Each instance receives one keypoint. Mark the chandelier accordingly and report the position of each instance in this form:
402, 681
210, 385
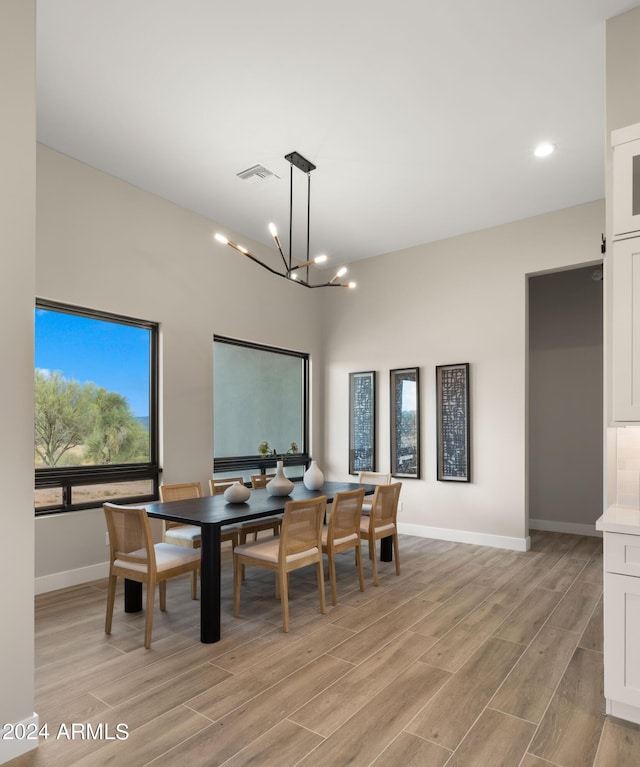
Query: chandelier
291, 269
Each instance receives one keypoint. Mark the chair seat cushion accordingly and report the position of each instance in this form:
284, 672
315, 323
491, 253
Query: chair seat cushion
168, 556
267, 550
364, 526
183, 533
366, 507
337, 541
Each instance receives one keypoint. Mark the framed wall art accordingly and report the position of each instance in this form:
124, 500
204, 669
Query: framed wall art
452, 418
362, 422
404, 388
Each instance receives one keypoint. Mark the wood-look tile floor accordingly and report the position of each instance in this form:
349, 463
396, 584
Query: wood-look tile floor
472, 656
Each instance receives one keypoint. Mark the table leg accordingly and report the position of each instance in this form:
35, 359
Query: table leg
386, 549
132, 596
210, 584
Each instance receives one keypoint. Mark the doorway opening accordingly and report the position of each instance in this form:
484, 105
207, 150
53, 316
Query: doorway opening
565, 386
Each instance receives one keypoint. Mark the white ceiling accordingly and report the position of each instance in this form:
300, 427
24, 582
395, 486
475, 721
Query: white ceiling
421, 115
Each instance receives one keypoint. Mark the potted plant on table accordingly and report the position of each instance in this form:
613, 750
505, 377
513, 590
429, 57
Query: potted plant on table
280, 484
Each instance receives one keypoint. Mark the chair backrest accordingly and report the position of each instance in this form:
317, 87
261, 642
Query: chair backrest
302, 526
129, 531
180, 491
384, 506
218, 486
345, 514
374, 478
259, 481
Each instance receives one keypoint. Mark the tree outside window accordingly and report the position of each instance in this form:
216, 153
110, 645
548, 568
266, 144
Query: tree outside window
95, 408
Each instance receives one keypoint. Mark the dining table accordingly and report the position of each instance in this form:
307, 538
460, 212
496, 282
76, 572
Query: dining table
211, 513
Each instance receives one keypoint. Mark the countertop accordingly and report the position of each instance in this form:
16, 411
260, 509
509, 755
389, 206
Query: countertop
620, 519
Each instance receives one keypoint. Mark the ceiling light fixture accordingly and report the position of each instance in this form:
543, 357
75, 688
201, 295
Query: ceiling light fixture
544, 149
291, 268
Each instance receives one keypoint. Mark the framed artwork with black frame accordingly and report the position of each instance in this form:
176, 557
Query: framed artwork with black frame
452, 418
362, 422
404, 388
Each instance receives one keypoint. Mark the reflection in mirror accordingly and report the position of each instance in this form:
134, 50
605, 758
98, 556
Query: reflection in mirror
405, 423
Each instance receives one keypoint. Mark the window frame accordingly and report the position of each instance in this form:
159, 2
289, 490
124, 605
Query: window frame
68, 477
257, 461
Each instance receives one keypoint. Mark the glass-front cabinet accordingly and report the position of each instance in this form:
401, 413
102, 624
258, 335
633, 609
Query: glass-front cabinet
625, 318
623, 271
626, 181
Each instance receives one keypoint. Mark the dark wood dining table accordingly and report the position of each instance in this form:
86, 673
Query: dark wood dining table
210, 513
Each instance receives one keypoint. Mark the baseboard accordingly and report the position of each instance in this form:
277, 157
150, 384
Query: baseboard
466, 536
55, 581
551, 526
623, 711
19, 738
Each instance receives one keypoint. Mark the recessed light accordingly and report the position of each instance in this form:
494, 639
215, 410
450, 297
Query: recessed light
544, 149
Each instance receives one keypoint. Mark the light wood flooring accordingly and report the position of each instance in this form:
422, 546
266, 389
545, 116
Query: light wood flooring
472, 656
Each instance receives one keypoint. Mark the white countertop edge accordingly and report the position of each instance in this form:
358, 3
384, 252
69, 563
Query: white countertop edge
620, 519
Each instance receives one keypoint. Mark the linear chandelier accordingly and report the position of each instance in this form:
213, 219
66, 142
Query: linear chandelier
292, 269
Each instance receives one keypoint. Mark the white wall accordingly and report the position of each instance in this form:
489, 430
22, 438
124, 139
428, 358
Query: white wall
107, 245
622, 68
17, 278
458, 300
565, 400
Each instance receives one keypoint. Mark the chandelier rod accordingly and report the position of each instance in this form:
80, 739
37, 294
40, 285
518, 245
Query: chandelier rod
290, 212
308, 223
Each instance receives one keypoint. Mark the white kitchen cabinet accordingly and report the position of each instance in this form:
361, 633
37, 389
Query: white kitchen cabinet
624, 271
621, 527
626, 181
622, 648
625, 357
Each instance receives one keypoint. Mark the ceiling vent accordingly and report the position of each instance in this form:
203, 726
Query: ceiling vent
256, 173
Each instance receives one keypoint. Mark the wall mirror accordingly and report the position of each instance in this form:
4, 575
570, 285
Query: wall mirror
405, 422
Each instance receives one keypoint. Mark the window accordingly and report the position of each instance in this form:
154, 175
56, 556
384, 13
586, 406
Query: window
260, 408
96, 423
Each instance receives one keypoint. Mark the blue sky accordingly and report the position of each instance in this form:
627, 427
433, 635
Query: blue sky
109, 354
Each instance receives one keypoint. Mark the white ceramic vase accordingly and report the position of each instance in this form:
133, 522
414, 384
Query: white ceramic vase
279, 485
313, 478
237, 493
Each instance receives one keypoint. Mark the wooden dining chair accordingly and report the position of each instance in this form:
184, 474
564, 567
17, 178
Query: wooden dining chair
259, 481
218, 486
179, 534
342, 533
189, 535
133, 555
298, 545
381, 523
372, 478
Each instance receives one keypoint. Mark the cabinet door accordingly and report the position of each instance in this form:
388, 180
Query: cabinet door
626, 330
626, 188
622, 638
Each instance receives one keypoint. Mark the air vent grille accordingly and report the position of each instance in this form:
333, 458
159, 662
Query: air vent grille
257, 173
